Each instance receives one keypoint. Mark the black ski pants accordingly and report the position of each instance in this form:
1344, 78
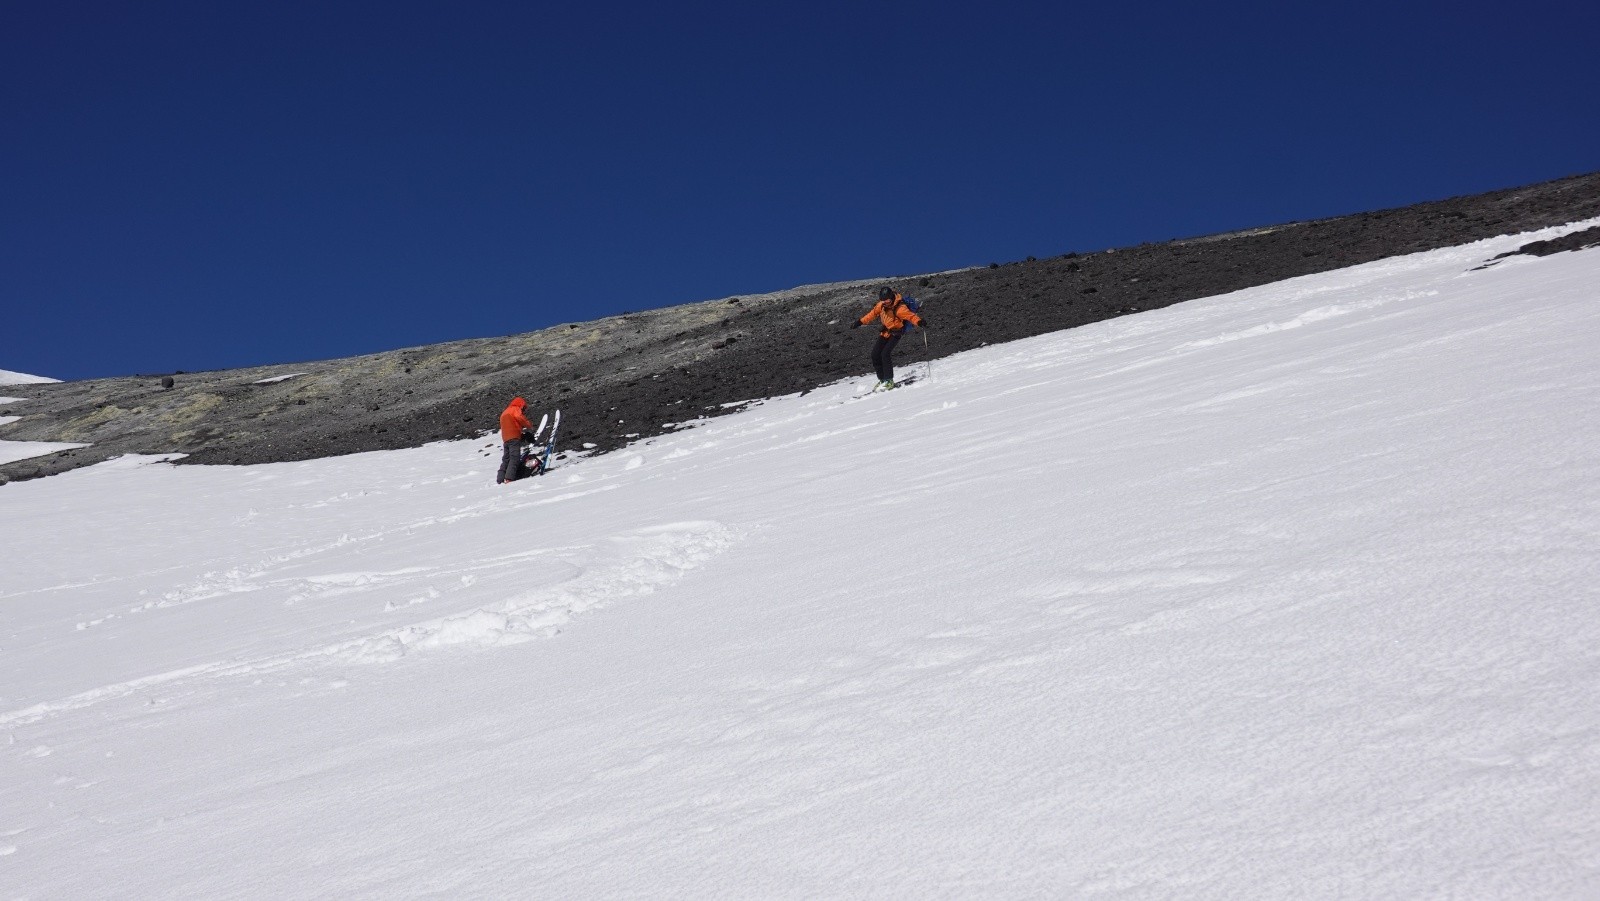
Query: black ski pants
883, 356
511, 461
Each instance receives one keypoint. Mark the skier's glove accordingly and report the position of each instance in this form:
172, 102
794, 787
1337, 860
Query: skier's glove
856, 324
923, 323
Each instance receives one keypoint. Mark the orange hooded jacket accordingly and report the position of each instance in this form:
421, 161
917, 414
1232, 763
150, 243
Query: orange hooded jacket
513, 420
893, 315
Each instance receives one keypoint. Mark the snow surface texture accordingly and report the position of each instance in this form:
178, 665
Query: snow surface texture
1284, 594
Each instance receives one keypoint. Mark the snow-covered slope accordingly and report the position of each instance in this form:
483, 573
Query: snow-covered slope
1288, 593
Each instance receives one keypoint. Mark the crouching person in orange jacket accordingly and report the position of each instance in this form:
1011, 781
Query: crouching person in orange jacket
515, 431
892, 313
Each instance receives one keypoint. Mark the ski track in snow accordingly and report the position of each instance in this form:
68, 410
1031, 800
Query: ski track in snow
647, 560
572, 580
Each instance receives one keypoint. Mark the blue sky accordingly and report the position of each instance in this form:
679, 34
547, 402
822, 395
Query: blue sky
202, 185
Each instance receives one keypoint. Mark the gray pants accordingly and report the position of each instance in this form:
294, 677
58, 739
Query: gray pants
511, 462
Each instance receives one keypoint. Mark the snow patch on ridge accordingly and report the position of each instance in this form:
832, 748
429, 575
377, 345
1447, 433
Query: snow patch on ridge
7, 377
12, 451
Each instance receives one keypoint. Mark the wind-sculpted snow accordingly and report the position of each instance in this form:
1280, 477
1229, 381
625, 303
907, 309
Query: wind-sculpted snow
1283, 594
567, 583
295, 598
629, 565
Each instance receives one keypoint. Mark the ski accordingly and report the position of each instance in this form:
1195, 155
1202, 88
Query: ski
881, 387
543, 421
544, 461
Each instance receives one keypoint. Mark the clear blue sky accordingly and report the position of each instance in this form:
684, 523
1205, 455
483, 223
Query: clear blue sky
197, 185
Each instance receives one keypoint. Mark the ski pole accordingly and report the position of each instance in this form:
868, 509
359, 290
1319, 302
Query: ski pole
925, 352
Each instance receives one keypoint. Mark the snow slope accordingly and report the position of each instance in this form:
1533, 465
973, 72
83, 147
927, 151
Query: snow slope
1288, 593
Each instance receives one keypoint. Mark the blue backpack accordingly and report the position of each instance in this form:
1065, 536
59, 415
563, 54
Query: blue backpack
915, 306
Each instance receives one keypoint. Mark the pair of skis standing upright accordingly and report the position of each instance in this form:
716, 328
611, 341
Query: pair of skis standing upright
534, 459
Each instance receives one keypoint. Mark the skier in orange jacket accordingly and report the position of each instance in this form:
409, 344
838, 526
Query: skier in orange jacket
892, 313
515, 431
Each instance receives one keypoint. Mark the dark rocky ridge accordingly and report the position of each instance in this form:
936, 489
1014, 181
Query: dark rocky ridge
626, 377
1579, 240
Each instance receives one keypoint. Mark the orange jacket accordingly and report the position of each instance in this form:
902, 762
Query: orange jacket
513, 420
892, 315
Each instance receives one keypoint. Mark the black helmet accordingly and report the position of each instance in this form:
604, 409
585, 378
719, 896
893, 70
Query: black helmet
885, 293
